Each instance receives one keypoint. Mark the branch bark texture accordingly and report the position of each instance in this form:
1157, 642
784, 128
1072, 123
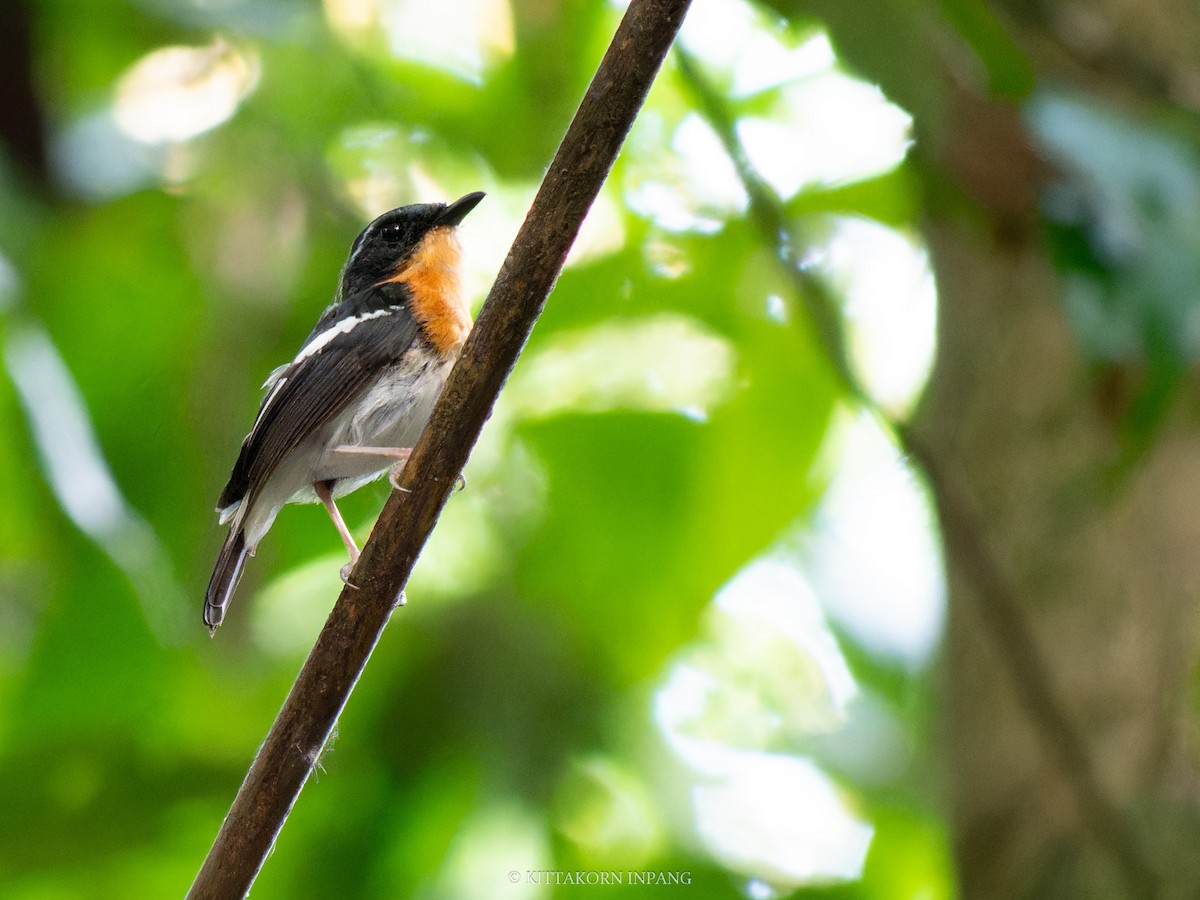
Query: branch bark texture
584, 158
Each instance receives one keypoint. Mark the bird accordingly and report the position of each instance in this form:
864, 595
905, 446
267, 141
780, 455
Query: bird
352, 402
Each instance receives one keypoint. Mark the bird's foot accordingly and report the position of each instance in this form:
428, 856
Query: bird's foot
394, 474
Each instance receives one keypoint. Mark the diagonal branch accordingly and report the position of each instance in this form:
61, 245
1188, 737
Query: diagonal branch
323, 686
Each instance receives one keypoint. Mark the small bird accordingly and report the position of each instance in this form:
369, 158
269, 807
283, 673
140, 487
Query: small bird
354, 400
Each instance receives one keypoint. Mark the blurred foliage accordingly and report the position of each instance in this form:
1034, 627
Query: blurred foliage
672, 422
1124, 224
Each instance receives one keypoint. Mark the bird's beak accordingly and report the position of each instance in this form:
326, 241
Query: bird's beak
457, 211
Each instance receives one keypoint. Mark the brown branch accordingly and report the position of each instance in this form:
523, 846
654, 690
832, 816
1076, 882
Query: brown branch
323, 686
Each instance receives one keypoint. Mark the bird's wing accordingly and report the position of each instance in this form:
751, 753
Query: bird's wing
334, 366
373, 298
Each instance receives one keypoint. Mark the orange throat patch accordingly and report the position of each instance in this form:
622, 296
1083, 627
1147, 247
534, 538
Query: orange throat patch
438, 304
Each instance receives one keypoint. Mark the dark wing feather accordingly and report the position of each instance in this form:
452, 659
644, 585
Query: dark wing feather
315, 389
381, 296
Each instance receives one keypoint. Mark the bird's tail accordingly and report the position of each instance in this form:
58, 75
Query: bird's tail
225, 577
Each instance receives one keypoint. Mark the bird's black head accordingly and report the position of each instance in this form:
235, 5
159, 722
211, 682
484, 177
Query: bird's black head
388, 244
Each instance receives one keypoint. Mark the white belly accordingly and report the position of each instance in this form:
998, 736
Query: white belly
390, 414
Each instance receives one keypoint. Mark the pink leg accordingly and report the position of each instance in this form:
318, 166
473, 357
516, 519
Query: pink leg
401, 453
324, 491
398, 453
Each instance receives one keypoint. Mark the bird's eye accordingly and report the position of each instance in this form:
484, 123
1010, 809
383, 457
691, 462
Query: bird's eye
392, 233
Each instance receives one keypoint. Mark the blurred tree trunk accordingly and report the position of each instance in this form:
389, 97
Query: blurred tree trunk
1073, 626
21, 125
1070, 719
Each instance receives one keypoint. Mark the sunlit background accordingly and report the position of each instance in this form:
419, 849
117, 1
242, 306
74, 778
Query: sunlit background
685, 613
